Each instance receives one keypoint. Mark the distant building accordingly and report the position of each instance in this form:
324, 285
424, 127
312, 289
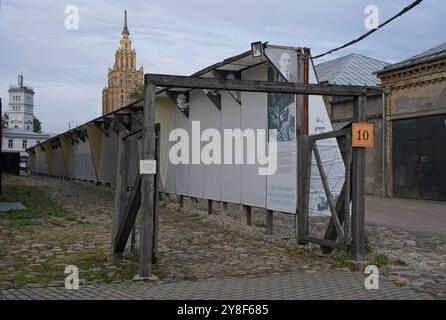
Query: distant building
416, 125
20, 134
123, 77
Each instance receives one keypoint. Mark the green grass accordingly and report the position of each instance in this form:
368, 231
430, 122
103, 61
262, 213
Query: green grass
38, 204
381, 259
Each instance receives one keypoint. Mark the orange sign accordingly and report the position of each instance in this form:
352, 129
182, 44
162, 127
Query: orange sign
362, 135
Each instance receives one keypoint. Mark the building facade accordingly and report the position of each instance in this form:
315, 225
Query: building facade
415, 109
20, 134
123, 77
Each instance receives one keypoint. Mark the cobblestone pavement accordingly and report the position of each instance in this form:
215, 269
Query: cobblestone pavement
420, 216
288, 286
195, 246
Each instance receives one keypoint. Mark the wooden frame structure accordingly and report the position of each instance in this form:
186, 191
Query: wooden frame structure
144, 194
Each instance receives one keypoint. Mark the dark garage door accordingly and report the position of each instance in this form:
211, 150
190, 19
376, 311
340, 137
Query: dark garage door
419, 158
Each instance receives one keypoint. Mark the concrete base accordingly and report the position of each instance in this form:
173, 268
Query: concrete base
139, 278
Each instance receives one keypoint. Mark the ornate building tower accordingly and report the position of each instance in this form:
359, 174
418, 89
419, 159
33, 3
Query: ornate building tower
123, 77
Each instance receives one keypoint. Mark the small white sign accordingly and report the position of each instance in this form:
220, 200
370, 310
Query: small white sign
147, 167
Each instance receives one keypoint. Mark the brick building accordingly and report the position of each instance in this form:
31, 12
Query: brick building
123, 77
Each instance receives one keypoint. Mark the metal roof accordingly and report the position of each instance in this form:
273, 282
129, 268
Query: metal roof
433, 54
22, 132
353, 69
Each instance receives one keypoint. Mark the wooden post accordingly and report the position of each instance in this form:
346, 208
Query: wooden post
133, 240
269, 222
147, 183
157, 194
303, 186
247, 215
224, 208
358, 187
181, 202
209, 206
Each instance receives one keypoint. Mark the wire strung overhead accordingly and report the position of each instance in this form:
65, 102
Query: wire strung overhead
406, 9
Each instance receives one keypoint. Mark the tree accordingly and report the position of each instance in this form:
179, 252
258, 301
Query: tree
37, 125
5, 120
137, 93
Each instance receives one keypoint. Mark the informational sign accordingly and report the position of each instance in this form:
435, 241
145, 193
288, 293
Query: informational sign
362, 135
147, 167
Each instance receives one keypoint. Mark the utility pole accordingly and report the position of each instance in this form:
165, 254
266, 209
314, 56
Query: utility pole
69, 124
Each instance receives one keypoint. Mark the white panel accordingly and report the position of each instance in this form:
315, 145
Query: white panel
197, 106
331, 156
254, 116
230, 174
181, 170
210, 119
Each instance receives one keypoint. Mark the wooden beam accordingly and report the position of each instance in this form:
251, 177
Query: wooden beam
325, 184
147, 183
128, 218
224, 208
258, 86
358, 188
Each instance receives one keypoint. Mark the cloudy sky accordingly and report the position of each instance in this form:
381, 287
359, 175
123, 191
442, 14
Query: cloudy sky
68, 68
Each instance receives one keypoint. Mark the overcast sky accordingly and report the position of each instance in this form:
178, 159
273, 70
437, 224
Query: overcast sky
68, 68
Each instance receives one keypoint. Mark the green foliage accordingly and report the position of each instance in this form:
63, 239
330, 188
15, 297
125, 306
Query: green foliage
37, 125
137, 93
381, 259
5, 120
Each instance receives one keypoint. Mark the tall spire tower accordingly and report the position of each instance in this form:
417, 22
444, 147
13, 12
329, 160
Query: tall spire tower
123, 77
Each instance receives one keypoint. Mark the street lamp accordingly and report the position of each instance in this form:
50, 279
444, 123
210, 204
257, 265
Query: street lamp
69, 124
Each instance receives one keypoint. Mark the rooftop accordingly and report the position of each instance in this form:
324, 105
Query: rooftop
353, 69
436, 53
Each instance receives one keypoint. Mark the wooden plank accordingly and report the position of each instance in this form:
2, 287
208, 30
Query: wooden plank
258, 86
133, 240
269, 222
358, 188
328, 243
129, 217
327, 135
326, 186
147, 183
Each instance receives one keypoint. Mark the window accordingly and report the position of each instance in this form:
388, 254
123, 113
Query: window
10, 144
24, 143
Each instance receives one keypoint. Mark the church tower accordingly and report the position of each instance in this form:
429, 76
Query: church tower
21, 106
123, 77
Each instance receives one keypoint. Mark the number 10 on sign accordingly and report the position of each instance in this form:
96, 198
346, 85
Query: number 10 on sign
362, 135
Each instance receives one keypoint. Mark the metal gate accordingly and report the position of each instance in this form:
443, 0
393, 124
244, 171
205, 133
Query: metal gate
419, 158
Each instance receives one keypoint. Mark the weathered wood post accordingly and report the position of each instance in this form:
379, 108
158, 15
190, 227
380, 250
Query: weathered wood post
224, 208
246, 214
181, 202
209, 206
121, 190
157, 194
269, 222
147, 183
358, 187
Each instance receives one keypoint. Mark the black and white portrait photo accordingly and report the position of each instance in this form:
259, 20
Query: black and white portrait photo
230, 75
181, 99
285, 61
214, 96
